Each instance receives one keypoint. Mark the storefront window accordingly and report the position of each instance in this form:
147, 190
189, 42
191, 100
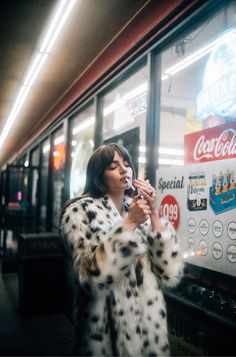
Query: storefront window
44, 184
197, 153
81, 148
58, 162
34, 157
21, 161
124, 114
198, 84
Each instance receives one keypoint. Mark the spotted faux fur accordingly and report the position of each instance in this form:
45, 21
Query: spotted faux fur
122, 273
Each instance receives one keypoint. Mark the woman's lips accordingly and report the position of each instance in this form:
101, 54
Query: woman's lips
130, 184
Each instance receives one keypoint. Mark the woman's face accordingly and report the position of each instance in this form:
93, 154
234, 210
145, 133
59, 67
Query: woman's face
115, 175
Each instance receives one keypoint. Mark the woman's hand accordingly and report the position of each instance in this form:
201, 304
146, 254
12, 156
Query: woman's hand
148, 192
139, 212
150, 195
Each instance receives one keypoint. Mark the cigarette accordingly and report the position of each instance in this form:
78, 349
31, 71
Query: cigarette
130, 184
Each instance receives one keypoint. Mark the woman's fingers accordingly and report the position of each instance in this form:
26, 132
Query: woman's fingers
140, 207
145, 186
148, 193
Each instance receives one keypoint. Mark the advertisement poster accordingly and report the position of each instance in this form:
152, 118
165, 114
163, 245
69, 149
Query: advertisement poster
199, 199
217, 143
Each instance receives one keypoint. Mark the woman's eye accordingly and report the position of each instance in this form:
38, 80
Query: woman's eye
126, 164
112, 166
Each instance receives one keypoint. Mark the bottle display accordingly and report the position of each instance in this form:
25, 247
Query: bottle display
223, 192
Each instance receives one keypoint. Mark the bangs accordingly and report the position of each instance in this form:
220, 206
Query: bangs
109, 153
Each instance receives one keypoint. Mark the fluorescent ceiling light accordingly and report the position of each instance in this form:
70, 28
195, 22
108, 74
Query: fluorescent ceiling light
169, 151
171, 162
112, 107
142, 148
62, 12
42, 59
14, 112
136, 91
46, 148
58, 19
59, 139
73, 143
129, 95
32, 68
142, 160
84, 125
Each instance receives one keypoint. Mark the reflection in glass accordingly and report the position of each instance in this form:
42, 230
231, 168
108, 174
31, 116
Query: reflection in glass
81, 148
58, 162
198, 84
44, 184
125, 117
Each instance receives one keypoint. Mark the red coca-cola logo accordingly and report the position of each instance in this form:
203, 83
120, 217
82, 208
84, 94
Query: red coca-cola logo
216, 143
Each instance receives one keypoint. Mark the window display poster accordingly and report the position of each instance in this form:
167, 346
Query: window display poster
200, 202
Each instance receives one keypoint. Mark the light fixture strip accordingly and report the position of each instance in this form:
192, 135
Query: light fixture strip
63, 9
52, 27
60, 25
34, 65
15, 110
19, 102
170, 162
38, 68
84, 125
170, 151
60, 139
198, 54
136, 91
46, 148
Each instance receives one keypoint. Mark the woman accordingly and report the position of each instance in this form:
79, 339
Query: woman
122, 256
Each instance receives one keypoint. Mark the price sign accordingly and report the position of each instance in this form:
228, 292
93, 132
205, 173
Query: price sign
169, 209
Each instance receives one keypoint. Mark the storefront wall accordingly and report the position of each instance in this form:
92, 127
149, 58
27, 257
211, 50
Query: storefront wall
172, 104
180, 94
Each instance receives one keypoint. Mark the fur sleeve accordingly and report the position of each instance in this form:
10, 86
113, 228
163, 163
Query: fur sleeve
98, 264
165, 255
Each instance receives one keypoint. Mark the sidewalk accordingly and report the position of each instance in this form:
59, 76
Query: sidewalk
43, 335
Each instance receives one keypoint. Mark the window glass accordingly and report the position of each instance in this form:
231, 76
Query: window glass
197, 153
81, 148
197, 83
34, 157
124, 115
21, 161
44, 183
58, 162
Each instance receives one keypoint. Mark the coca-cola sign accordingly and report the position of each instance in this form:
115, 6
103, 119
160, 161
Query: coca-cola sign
217, 143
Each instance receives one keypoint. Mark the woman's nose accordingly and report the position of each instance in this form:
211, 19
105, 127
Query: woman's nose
123, 168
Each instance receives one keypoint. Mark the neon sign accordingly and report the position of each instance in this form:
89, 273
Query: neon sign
58, 156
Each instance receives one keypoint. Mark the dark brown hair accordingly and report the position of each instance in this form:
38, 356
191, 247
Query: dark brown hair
98, 162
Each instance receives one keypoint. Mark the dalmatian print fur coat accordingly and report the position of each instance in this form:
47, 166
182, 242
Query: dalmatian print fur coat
121, 274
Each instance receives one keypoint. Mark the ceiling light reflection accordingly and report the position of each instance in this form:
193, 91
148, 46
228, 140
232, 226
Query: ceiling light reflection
59, 139
171, 162
46, 148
